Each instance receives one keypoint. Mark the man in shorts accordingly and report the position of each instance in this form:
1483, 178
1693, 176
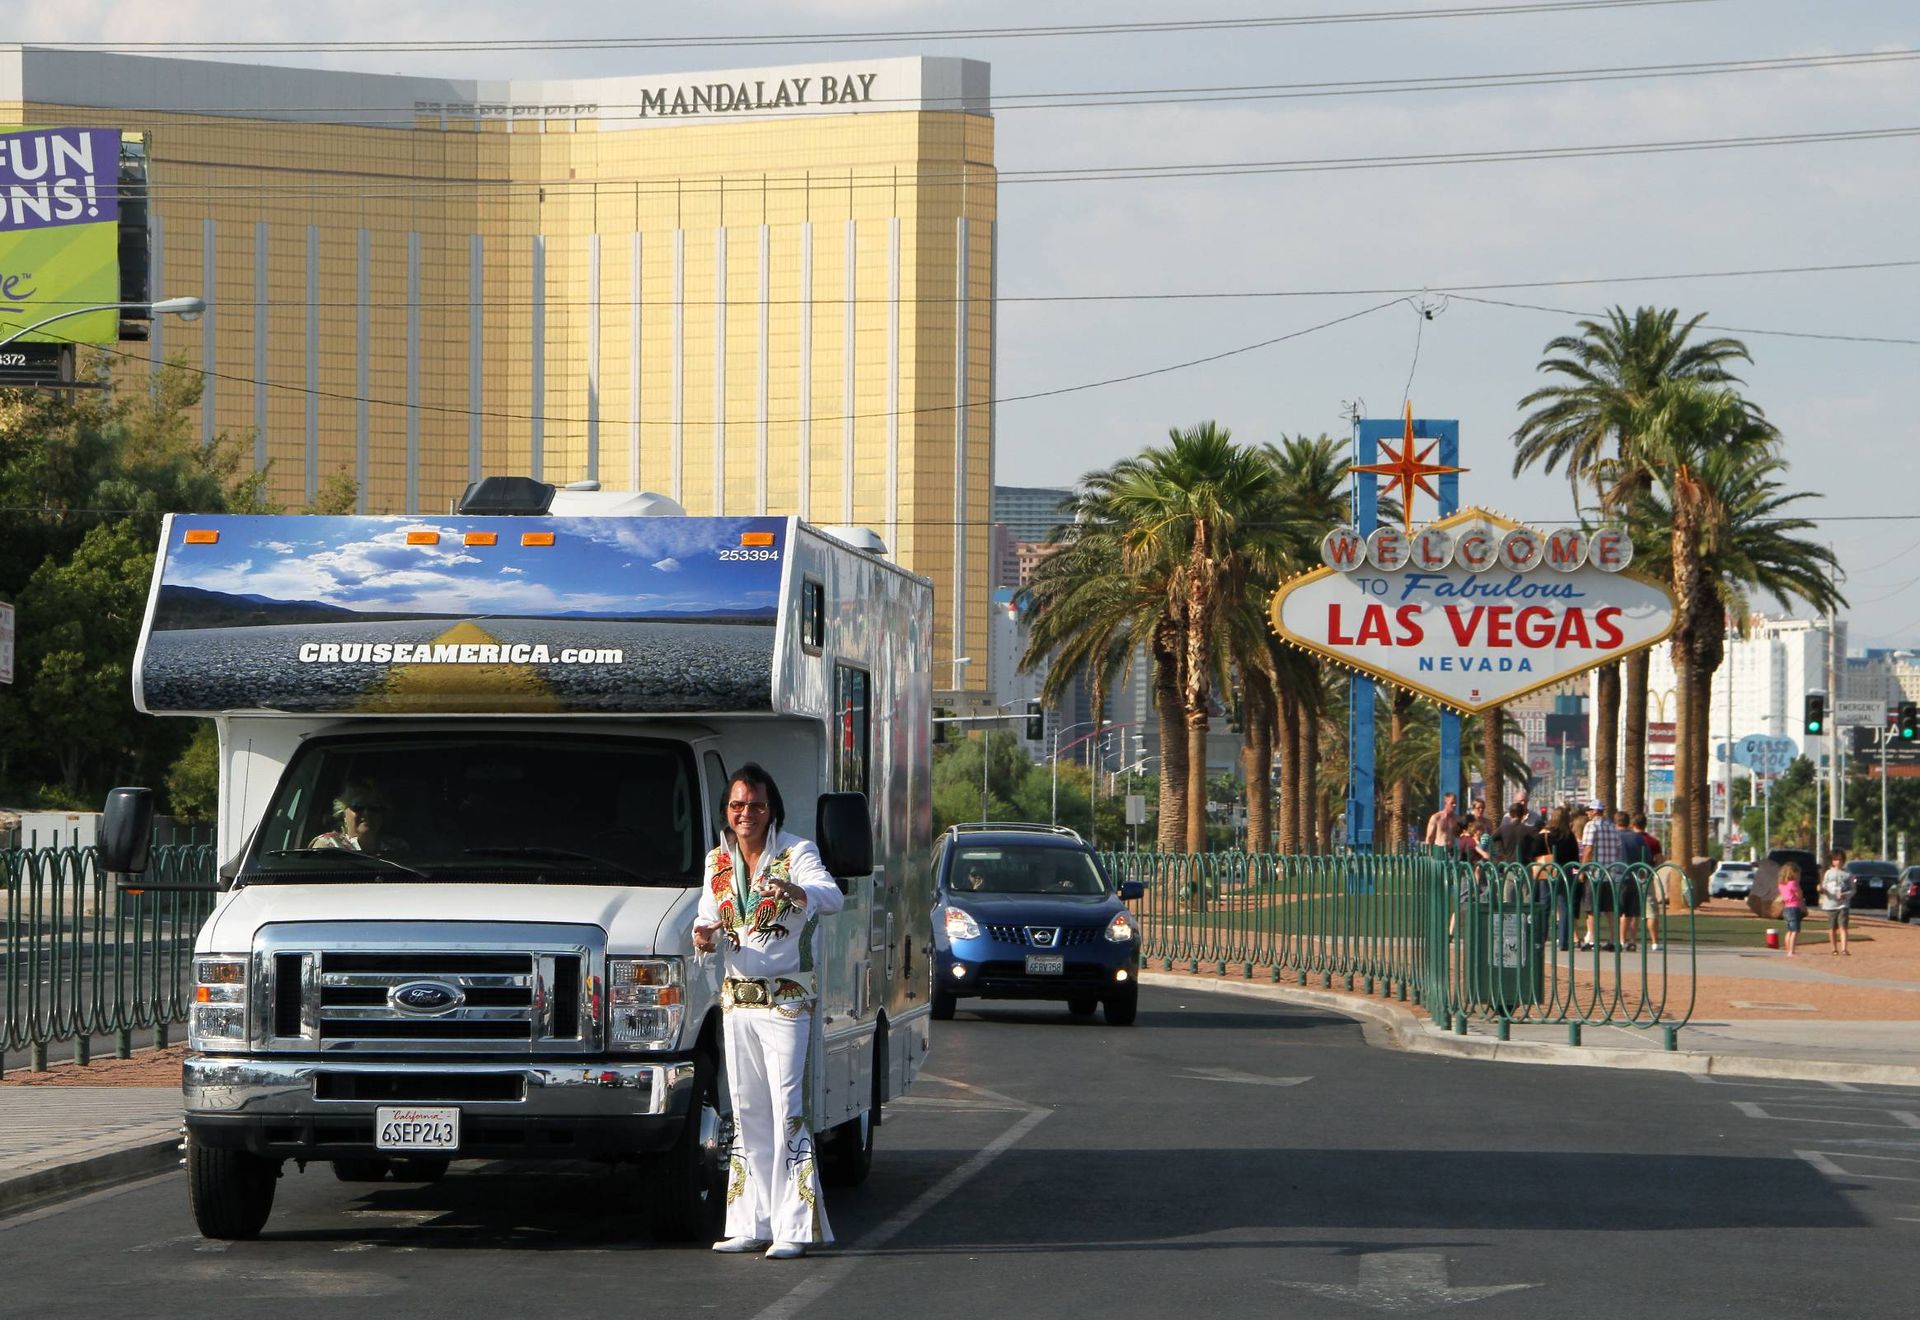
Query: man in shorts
1836, 901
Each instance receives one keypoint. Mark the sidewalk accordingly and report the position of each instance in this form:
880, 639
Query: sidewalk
1757, 1013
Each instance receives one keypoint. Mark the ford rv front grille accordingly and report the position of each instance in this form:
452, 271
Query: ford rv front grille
333, 987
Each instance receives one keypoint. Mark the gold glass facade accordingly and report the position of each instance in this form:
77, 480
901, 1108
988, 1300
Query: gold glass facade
750, 312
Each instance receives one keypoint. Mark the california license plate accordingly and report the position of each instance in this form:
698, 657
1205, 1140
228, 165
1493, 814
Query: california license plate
417, 1127
1046, 964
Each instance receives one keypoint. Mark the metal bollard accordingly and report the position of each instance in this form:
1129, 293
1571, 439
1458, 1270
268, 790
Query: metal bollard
82, 1050
123, 1044
1573, 1033
1672, 1034
1503, 1029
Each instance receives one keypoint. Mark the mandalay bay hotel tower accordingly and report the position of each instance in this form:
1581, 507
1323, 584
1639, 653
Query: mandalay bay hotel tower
754, 290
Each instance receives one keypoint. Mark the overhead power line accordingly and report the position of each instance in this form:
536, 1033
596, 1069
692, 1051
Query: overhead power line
1146, 96
1730, 329
552, 301
711, 41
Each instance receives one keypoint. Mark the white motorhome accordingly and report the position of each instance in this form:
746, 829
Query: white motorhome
539, 707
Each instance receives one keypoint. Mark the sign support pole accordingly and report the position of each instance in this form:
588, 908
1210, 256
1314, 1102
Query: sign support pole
1361, 783
1448, 434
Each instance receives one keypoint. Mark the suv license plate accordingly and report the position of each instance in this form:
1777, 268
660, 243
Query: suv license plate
1046, 964
416, 1127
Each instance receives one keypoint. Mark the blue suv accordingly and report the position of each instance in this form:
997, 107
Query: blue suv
1026, 912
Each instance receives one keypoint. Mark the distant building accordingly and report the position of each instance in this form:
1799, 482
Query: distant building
1030, 513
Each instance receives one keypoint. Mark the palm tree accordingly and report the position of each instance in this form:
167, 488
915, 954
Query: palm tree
1585, 421
1716, 487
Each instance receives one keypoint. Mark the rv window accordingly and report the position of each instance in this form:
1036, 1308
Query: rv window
503, 808
716, 793
853, 687
813, 615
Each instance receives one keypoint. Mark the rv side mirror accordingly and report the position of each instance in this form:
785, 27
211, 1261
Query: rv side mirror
844, 832
126, 831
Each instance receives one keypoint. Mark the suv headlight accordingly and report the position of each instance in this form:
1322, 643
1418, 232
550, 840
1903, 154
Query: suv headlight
961, 925
217, 1018
1122, 930
645, 1000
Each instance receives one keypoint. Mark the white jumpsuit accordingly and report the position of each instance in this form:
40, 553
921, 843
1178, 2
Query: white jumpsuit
773, 1184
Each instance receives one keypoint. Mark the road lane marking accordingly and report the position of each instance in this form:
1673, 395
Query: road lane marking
1819, 1160
832, 1270
1901, 1117
1243, 1078
1405, 1281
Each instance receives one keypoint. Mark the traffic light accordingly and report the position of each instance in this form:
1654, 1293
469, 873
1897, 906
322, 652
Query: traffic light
1908, 727
1036, 721
1816, 714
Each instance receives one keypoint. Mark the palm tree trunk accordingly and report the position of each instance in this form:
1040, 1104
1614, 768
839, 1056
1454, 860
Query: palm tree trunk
1633, 727
1197, 782
1257, 760
1173, 740
1685, 807
1606, 734
1491, 725
1287, 739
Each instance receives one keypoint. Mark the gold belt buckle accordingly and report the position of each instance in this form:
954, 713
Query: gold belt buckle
747, 992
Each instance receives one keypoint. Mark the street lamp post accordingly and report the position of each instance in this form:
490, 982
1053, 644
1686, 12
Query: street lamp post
1133, 833
185, 308
1054, 759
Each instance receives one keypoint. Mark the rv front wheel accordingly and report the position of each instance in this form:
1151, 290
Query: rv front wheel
231, 1190
686, 1184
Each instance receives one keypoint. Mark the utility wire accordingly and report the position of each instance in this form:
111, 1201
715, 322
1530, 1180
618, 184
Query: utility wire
942, 299
1705, 325
886, 35
1134, 96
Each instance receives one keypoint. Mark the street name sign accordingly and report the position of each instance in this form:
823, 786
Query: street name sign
1473, 610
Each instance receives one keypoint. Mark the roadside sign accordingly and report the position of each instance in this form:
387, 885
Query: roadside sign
6, 642
1136, 809
1861, 714
1764, 754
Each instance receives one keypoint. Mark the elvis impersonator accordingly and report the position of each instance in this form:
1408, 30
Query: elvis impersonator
764, 894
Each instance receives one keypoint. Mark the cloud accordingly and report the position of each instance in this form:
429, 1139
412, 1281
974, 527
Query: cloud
667, 565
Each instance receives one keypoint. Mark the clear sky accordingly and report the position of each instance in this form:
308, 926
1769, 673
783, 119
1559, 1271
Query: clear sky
1313, 235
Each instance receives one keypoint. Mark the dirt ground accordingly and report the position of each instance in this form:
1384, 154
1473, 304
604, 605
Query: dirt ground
145, 1068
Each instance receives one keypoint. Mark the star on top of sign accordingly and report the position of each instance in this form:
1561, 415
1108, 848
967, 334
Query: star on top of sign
1407, 471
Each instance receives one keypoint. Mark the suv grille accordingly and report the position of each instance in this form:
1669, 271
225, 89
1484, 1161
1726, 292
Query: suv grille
1069, 935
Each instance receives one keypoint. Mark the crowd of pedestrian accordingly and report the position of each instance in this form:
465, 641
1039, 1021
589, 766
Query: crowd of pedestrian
1609, 861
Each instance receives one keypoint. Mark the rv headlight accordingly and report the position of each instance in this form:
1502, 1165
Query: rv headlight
645, 1000
217, 1017
1121, 929
961, 925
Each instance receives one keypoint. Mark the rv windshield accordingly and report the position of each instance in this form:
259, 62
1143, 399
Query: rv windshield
483, 807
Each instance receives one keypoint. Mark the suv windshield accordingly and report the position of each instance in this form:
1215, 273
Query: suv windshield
572, 810
1014, 869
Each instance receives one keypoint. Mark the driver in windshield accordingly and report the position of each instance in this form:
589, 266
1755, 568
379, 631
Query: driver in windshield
361, 815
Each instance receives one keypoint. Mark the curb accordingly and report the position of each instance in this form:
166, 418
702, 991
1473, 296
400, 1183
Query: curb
1401, 1029
150, 1149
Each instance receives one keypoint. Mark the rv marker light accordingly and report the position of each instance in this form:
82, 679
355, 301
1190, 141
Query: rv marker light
423, 538
756, 538
203, 536
536, 538
482, 538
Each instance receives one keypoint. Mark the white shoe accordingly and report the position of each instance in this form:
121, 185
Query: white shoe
739, 1244
786, 1250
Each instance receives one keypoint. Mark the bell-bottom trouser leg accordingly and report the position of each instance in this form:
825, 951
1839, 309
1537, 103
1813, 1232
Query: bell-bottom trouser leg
773, 1183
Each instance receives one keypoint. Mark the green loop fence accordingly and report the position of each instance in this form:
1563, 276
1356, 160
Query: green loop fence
1596, 945
82, 958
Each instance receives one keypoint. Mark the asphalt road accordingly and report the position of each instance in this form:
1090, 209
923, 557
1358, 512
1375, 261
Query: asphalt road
1223, 1157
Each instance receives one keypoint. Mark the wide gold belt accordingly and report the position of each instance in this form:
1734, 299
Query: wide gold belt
759, 992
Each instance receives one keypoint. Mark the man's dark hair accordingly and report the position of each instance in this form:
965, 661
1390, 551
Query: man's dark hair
1639, 820
1518, 810
754, 774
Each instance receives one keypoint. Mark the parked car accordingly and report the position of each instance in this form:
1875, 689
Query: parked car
1872, 881
1026, 912
1903, 900
1731, 880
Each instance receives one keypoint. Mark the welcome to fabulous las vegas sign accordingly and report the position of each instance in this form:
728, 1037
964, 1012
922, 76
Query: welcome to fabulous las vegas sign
1473, 610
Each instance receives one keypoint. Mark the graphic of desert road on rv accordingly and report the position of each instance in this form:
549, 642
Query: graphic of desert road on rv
413, 615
